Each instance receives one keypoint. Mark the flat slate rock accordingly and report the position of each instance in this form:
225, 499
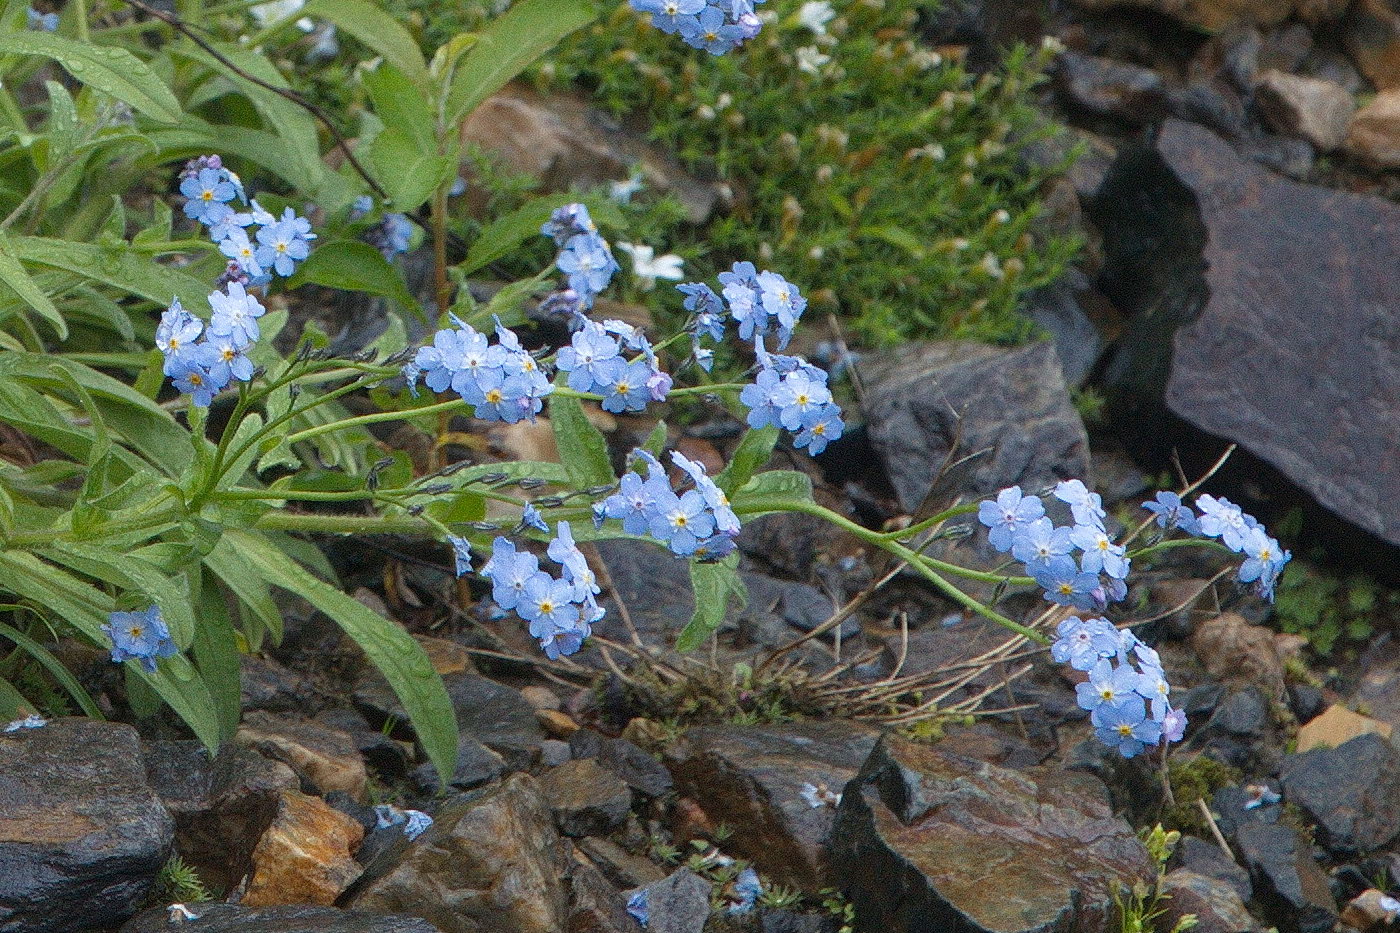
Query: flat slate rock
82, 833
1262, 311
232, 918
1352, 792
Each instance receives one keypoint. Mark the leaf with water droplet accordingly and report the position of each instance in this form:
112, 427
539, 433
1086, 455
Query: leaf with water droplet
112, 71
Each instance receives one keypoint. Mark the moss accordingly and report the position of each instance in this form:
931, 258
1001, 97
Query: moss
1334, 612
1194, 779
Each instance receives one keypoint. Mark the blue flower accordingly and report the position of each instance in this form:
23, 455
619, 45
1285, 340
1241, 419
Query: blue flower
1125, 727
669, 15
715, 499
1107, 684
176, 335
638, 908
748, 889
711, 31
1009, 515
42, 22
530, 517
197, 381
237, 247
592, 360
235, 315
588, 264
634, 501
417, 823
630, 392
701, 300
1173, 725
681, 521
1264, 562
1068, 586
819, 428
1171, 513
208, 193
461, 553
782, 301
32, 721
391, 235
1086, 506
565, 552
760, 397
1100, 553
547, 603
1040, 544
509, 571
283, 244
799, 396
139, 636
441, 363
1152, 686
1082, 643
224, 359
1221, 518
566, 222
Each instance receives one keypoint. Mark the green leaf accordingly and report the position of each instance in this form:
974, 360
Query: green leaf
230, 565
773, 486
508, 45
407, 171
714, 586
401, 660
355, 266
22, 284
401, 104
121, 268
754, 449
377, 30
13, 705
504, 235
582, 447
131, 573
56, 670
216, 654
113, 71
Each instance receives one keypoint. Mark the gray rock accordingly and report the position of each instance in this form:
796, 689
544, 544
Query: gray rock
620, 867
1216, 905
929, 842
677, 904
491, 863
587, 799
923, 398
82, 833
554, 752
1200, 857
1104, 87
1289, 883
751, 779
476, 765
1225, 270
595, 906
1315, 110
1059, 308
231, 918
637, 768
1352, 792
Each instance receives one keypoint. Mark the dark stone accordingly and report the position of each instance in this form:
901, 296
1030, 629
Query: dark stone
1225, 269
637, 768
1305, 701
1212, 104
1104, 87
1206, 858
751, 779
1216, 905
82, 833
1293, 890
926, 841
587, 799
381, 752
594, 905
1243, 713
1059, 309
1352, 792
476, 765
231, 918
677, 904
923, 398
1231, 808
620, 867
221, 807
268, 685
785, 921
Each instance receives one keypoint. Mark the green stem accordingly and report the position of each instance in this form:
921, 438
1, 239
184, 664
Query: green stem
341, 524
928, 523
1175, 543
375, 418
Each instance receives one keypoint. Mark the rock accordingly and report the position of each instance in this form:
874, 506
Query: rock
491, 863
567, 144
787, 921
82, 833
1234, 651
382, 753
306, 855
541, 697
1352, 792
620, 867
1292, 888
554, 753
1105, 87
587, 799
1059, 309
923, 398
476, 765
751, 779
325, 757
558, 724
1366, 912
1371, 35
678, 904
1378, 688
1337, 725
1210, 103
1233, 807
926, 841
1305, 701
1199, 857
234, 918
1374, 134
221, 807
637, 768
1216, 905
594, 905
1217, 15
1224, 269
1318, 111
266, 684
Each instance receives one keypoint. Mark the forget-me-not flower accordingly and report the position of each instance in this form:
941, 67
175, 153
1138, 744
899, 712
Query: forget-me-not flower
140, 636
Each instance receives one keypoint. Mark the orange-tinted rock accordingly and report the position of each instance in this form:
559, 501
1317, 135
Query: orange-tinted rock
325, 756
306, 855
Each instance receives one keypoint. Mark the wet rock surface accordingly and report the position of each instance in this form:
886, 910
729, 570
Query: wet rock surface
82, 833
1289, 883
1216, 905
1049, 851
679, 903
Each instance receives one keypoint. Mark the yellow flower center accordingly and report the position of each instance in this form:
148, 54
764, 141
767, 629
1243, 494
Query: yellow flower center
1066, 589
196, 379
136, 631
1125, 730
493, 396
1106, 693
546, 607
207, 195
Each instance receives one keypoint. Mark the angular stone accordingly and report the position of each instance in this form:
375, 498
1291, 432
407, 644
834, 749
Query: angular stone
1336, 725
1225, 270
620, 867
476, 765
1105, 87
929, 842
587, 799
1366, 911
325, 757
1218, 15
677, 904
637, 768
594, 905
1198, 857
751, 779
1371, 35
269, 685
1374, 133
1216, 905
1351, 792
1291, 886
491, 863
1315, 110
82, 833
234, 918
306, 855
221, 807
922, 398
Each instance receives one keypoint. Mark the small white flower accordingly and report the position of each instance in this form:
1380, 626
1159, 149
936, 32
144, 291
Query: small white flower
810, 59
648, 267
816, 796
1390, 905
276, 10
815, 14
179, 913
992, 266
28, 722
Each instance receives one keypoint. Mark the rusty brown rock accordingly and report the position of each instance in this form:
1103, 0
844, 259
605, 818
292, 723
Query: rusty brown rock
1371, 35
306, 855
1216, 906
326, 757
1233, 650
1374, 134
587, 799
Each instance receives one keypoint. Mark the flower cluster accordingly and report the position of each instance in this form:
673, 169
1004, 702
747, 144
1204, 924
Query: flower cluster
1017, 523
275, 246
696, 523
1127, 691
414, 822
139, 636
717, 27
584, 256
595, 363
202, 361
791, 393
560, 610
1237, 530
41, 22
501, 381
